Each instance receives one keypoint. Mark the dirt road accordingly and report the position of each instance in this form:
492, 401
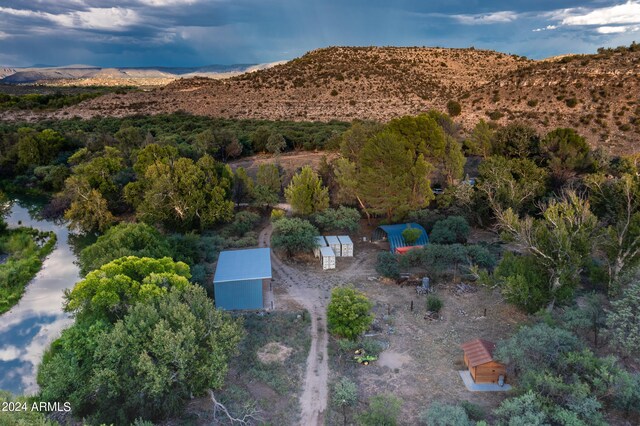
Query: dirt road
313, 401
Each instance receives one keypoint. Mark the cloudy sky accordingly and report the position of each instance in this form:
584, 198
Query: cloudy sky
199, 32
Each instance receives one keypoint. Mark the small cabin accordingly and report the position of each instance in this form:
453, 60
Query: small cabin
328, 258
346, 246
320, 242
478, 357
334, 243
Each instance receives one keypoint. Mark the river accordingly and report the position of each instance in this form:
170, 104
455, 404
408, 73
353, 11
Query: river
28, 329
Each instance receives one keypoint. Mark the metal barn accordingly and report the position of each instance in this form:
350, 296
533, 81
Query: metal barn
320, 242
393, 234
346, 246
334, 243
241, 279
328, 258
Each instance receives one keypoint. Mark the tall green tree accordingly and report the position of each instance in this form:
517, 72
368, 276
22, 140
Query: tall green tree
516, 141
266, 191
294, 235
565, 152
242, 186
306, 194
623, 320
479, 141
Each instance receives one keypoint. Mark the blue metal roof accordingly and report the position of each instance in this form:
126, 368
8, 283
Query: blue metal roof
239, 265
394, 234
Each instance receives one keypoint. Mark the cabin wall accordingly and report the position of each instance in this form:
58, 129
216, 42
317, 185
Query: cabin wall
489, 372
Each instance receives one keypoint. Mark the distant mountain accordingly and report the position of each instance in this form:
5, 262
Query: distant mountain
92, 75
596, 94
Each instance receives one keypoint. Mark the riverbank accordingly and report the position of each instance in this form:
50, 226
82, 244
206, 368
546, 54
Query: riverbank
25, 250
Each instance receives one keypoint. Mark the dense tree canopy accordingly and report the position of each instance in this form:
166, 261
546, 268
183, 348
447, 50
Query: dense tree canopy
306, 194
349, 313
294, 235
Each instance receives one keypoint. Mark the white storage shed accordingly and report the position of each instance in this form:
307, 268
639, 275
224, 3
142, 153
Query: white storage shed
328, 258
334, 243
346, 246
320, 242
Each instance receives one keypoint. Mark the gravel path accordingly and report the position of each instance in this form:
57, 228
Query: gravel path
313, 401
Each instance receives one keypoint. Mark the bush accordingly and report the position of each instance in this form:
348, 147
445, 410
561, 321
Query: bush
349, 313
411, 235
387, 265
277, 214
427, 218
434, 304
444, 415
294, 235
453, 229
624, 321
453, 108
243, 223
383, 411
523, 282
340, 219
571, 102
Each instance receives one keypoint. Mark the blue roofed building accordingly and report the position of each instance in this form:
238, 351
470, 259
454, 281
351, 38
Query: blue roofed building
393, 234
242, 278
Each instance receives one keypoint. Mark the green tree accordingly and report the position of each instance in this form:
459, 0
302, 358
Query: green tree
453, 161
109, 292
163, 352
353, 139
617, 203
439, 414
523, 281
37, 148
187, 194
349, 313
306, 194
411, 235
383, 411
390, 180
345, 395
294, 236
561, 240
259, 138
453, 229
623, 320
511, 183
565, 152
340, 219
89, 211
479, 141
516, 141
276, 144
266, 191
387, 265
125, 239
242, 186
524, 410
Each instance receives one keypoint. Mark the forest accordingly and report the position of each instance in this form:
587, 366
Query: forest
161, 200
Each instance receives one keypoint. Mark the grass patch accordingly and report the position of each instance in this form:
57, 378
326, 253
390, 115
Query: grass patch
26, 248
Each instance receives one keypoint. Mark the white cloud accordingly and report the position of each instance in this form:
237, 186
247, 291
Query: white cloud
95, 18
163, 3
547, 28
3, 35
617, 30
627, 13
486, 18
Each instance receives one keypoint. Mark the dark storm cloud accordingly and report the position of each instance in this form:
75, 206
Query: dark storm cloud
196, 32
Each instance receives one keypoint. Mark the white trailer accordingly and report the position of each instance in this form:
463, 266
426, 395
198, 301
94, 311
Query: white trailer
328, 258
334, 243
346, 246
320, 242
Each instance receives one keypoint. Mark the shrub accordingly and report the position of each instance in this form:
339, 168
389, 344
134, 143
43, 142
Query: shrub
383, 411
387, 265
434, 304
453, 108
427, 218
571, 102
349, 313
411, 235
345, 394
243, 223
624, 321
495, 115
294, 235
444, 415
453, 229
523, 281
340, 219
532, 102
277, 214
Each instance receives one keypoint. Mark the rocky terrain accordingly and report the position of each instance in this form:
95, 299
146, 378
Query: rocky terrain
597, 94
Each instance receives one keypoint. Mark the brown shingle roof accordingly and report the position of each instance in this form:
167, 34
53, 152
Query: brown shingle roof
478, 351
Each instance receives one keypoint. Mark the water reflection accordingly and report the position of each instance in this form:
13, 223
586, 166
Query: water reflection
28, 328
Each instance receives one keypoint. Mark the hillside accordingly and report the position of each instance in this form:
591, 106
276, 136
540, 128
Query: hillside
597, 94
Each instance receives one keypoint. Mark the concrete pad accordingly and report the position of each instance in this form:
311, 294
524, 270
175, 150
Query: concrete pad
481, 387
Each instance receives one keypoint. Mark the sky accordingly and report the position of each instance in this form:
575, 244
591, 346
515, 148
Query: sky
122, 33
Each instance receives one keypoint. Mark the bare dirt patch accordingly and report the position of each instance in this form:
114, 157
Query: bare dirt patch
274, 352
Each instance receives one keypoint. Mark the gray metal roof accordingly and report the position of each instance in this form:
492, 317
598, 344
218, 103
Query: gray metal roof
327, 252
240, 265
332, 239
344, 239
320, 241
